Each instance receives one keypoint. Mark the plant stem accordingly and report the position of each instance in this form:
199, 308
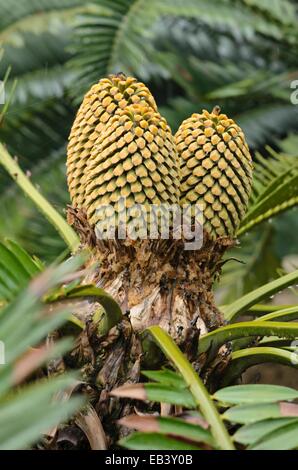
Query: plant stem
196, 387
242, 360
232, 311
212, 341
12, 167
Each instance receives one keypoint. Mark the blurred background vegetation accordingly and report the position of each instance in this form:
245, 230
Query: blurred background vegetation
193, 54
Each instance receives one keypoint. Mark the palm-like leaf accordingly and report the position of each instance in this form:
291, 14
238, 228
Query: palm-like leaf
119, 34
16, 269
262, 414
28, 412
13, 169
17, 212
251, 264
241, 76
275, 189
257, 259
34, 38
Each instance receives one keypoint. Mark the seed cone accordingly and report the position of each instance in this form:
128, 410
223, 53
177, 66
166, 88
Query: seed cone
134, 158
216, 170
101, 103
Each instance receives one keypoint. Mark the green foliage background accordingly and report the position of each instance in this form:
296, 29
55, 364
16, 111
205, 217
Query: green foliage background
193, 54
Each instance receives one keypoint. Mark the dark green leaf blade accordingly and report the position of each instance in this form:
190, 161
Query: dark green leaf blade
155, 441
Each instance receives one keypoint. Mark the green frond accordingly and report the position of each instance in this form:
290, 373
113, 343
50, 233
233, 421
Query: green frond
28, 411
14, 11
264, 414
16, 269
280, 10
289, 145
275, 189
264, 121
249, 265
106, 35
18, 212
119, 35
15, 172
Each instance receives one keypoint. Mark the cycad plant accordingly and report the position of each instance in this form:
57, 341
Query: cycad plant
157, 282
135, 288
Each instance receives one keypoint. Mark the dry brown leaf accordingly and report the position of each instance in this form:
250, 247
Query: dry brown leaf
91, 426
62, 396
288, 409
165, 409
141, 423
28, 363
135, 391
192, 419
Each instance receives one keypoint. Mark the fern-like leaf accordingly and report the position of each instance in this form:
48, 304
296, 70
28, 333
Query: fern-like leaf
118, 35
275, 189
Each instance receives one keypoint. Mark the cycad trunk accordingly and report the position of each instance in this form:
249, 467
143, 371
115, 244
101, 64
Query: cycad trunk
156, 282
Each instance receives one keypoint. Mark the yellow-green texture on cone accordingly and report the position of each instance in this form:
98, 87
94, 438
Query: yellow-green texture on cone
101, 103
133, 158
216, 170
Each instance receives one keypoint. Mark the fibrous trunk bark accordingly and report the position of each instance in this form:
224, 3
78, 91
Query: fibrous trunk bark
156, 282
